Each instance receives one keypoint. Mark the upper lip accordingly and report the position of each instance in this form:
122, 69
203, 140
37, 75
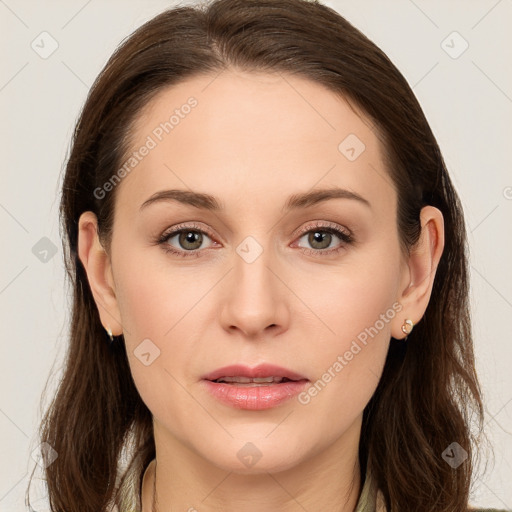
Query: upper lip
262, 370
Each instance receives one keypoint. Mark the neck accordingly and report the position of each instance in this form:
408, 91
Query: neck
179, 479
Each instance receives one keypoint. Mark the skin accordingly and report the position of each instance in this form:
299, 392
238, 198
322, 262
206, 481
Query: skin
253, 140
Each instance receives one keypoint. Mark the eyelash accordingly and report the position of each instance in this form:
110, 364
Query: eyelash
346, 238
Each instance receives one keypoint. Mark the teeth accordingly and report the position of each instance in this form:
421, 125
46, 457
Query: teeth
246, 380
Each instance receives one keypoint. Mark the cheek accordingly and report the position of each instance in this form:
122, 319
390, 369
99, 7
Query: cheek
159, 312
153, 298
355, 306
350, 298
158, 345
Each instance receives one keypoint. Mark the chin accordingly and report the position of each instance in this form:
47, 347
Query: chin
257, 457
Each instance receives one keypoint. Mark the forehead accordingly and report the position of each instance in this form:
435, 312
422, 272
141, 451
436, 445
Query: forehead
239, 135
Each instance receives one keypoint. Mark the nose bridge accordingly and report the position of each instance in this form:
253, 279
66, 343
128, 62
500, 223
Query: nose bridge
251, 267
254, 299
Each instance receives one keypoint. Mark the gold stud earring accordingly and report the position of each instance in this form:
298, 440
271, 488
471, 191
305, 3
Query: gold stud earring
109, 332
407, 327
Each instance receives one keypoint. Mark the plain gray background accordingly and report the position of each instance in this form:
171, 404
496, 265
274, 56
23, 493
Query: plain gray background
467, 98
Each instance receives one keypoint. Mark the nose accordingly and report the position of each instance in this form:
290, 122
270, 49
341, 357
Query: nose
255, 298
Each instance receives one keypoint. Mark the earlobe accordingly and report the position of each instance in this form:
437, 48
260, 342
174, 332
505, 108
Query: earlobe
421, 268
99, 272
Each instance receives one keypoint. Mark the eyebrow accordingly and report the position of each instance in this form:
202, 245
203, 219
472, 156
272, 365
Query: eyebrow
209, 202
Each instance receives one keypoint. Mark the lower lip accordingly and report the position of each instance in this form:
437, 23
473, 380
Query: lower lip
257, 397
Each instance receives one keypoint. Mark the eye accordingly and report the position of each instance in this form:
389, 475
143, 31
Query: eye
321, 236
188, 240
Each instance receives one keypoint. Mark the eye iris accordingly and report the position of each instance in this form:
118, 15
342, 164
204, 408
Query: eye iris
190, 237
320, 236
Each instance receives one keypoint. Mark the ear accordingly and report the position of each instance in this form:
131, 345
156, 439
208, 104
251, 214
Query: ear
420, 269
99, 272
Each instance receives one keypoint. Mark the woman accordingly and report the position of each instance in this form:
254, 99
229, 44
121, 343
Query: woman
258, 215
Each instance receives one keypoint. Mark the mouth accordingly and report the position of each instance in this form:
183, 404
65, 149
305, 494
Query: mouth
253, 391
256, 381
262, 375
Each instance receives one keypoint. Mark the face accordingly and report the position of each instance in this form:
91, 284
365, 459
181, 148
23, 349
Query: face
309, 285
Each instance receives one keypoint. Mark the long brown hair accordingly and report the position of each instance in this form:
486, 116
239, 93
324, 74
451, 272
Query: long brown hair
428, 396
